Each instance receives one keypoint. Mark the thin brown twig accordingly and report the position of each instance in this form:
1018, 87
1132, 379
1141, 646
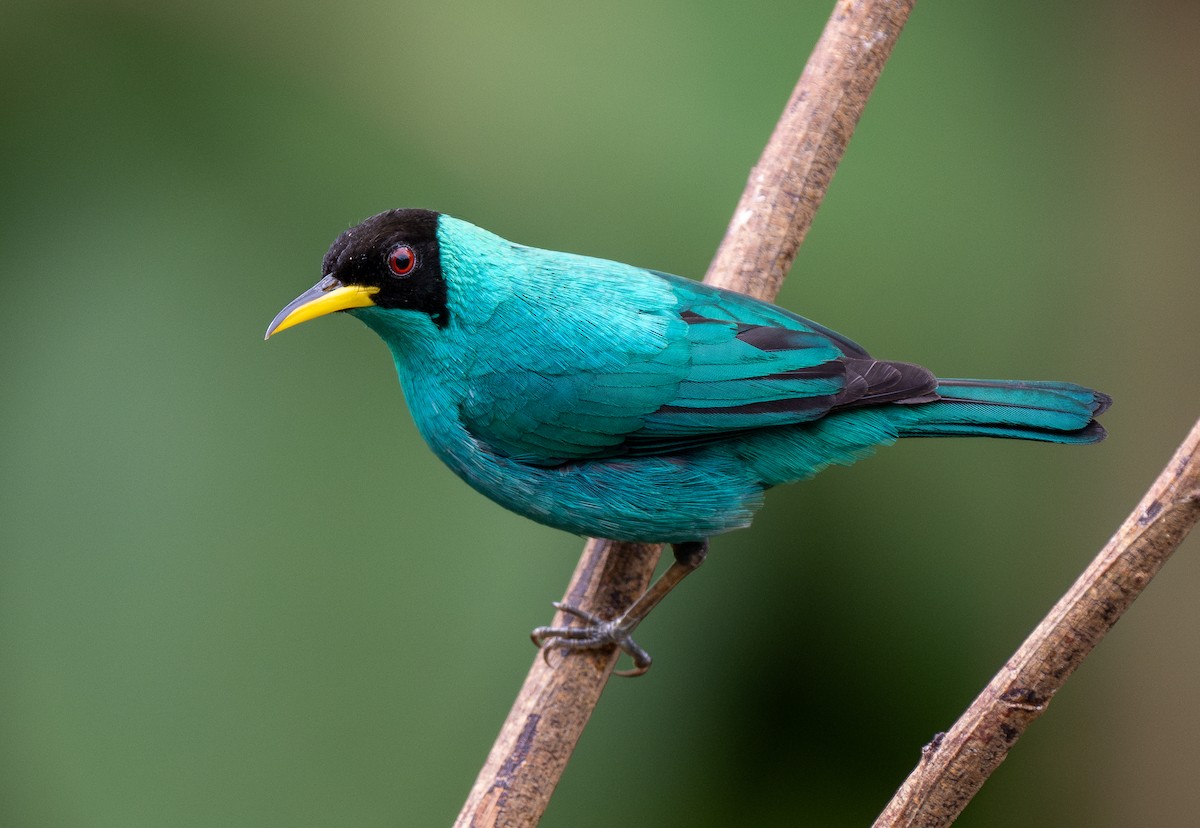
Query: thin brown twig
772, 218
957, 763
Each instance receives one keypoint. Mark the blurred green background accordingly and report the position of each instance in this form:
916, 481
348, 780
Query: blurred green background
236, 589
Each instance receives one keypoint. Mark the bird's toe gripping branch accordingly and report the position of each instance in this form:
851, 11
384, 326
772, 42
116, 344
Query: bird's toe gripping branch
596, 633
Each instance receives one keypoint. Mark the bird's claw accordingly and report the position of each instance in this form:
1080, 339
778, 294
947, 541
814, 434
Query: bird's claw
595, 634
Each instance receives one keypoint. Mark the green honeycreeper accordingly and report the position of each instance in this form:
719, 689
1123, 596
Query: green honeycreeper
618, 402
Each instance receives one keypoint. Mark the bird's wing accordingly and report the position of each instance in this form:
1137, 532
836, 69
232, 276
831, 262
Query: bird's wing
716, 303
704, 366
756, 365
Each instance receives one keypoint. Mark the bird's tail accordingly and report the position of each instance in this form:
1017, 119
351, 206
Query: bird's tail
1053, 412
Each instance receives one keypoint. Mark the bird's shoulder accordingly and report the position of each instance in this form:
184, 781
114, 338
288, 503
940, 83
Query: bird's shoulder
568, 355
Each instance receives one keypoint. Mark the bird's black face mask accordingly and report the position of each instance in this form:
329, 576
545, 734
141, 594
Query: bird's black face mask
391, 260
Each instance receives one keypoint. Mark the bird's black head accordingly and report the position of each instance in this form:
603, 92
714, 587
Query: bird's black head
397, 252
391, 260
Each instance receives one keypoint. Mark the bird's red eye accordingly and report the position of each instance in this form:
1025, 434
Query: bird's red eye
402, 260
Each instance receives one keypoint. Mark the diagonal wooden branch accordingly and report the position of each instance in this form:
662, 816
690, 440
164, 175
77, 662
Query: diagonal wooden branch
772, 218
956, 764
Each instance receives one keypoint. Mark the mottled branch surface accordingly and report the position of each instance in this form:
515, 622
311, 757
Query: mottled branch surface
771, 220
957, 763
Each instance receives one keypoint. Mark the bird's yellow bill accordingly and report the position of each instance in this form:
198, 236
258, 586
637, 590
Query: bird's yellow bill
326, 296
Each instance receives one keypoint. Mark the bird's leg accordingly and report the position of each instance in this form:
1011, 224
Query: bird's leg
597, 633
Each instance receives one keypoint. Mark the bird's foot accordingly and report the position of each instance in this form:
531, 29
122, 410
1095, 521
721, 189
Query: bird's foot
595, 634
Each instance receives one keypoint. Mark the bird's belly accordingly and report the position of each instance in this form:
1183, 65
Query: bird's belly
648, 499
652, 499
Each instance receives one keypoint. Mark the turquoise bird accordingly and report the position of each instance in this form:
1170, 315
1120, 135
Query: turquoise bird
618, 402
